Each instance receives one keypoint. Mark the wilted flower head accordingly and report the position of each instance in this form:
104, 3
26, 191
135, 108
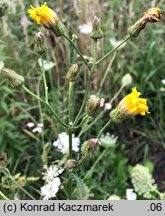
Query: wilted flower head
39, 46
92, 105
142, 181
45, 16
130, 105
96, 33
90, 147
152, 15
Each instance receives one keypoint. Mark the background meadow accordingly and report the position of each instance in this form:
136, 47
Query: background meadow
139, 140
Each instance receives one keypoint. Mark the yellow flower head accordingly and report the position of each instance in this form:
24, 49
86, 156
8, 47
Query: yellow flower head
130, 105
134, 105
43, 15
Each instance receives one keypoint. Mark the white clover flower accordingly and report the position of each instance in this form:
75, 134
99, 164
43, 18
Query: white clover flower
50, 189
108, 140
40, 125
85, 28
108, 106
130, 194
62, 143
30, 124
163, 81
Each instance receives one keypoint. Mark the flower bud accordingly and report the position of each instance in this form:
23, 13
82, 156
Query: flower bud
15, 79
90, 147
39, 46
92, 106
72, 73
3, 7
96, 33
126, 80
70, 164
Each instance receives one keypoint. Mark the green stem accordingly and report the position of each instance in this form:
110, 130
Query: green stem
3, 196
102, 130
43, 101
115, 48
77, 50
88, 84
44, 79
69, 101
106, 72
70, 157
7, 173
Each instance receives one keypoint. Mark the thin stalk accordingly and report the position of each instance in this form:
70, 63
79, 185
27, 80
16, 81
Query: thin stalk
3, 196
69, 101
117, 94
7, 173
77, 50
107, 71
103, 129
88, 84
70, 157
43, 101
111, 51
44, 80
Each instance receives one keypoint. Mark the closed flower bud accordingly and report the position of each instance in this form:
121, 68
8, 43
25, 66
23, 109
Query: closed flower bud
70, 164
130, 105
142, 181
39, 46
96, 33
3, 7
15, 79
92, 106
72, 73
45, 16
90, 147
126, 80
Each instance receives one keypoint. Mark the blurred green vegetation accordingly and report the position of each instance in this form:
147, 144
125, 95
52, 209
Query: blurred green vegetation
139, 139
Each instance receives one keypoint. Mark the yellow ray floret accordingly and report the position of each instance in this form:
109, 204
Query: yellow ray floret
43, 15
133, 105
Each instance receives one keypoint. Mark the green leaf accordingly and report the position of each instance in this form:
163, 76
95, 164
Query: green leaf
79, 183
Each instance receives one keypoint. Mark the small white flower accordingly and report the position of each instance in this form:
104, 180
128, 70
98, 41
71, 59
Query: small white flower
85, 28
163, 81
30, 124
108, 140
50, 189
130, 194
37, 130
52, 172
108, 106
102, 101
62, 143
